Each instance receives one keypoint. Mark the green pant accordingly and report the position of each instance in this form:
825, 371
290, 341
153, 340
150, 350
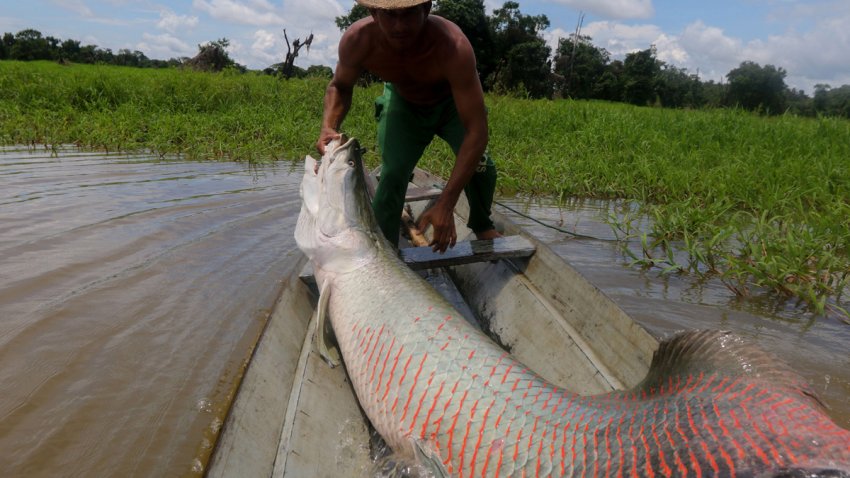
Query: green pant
404, 131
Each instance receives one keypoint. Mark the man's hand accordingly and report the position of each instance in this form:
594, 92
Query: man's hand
326, 136
441, 217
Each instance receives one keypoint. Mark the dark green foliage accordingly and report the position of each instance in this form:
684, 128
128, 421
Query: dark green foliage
213, 57
832, 101
471, 17
357, 12
514, 59
580, 68
640, 73
523, 63
6, 45
29, 45
678, 89
758, 88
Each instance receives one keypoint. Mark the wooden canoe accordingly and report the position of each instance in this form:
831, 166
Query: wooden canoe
294, 416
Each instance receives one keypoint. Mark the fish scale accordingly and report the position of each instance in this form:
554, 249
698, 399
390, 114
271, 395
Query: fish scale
711, 405
487, 415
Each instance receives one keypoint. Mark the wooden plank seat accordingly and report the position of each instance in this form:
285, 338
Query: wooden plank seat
465, 252
468, 252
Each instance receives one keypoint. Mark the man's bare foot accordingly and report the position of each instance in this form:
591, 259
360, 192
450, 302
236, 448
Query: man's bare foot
488, 234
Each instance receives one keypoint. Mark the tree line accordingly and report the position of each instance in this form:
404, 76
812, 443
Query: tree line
30, 45
513, 58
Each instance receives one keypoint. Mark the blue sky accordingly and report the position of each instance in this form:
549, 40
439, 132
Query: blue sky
809, 39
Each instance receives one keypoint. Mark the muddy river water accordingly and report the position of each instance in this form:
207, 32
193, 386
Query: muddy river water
133, 289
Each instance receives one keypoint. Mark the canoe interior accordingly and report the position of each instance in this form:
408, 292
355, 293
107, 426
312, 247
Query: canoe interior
295, 416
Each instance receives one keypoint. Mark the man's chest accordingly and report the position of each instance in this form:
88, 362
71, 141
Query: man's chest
407, 71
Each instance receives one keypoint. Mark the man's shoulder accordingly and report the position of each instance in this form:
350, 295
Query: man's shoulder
446, 27
448, 34
359, 30
358, 38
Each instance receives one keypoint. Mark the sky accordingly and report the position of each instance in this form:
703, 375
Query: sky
809, 39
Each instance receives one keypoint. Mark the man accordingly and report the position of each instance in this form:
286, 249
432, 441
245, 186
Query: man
432, 89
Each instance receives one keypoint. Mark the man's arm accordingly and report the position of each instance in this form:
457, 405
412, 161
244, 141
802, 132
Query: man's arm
469, 99
341, 87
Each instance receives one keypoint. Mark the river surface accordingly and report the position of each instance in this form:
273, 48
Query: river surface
133, 289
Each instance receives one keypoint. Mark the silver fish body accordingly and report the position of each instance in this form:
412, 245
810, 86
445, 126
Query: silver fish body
436, 388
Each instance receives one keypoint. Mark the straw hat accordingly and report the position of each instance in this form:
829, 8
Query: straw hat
391, 4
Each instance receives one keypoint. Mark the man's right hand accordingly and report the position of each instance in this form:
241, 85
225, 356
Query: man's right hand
325, 137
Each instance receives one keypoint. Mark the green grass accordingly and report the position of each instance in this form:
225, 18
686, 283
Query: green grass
761, 203
197, 115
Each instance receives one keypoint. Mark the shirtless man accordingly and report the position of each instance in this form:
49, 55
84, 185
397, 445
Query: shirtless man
432, 89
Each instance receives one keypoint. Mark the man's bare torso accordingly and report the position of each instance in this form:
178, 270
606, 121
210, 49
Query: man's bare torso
418, 73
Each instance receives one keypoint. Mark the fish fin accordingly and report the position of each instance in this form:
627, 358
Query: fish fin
724, 354
324, 332
429, 460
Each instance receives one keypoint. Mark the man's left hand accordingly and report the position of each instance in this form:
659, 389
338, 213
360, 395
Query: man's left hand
441, 217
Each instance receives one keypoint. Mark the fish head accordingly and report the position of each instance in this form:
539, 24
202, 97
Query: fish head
336, 228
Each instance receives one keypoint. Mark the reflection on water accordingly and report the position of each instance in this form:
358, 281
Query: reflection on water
131, 293
666, 304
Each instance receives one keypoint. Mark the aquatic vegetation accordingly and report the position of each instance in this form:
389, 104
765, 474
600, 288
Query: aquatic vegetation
761, 203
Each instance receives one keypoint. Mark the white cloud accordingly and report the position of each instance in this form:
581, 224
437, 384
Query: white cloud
164, 46
264, 48
617, 9
711, 52
818, 55
315, 12
265, 45
172, 22
76, 6
263, 40
620, 39
809, 57
250, 12
269, 47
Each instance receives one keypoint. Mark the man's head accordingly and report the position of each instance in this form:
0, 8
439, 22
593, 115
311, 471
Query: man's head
401, 21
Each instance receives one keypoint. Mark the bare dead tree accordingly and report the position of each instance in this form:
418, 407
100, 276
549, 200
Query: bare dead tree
292, 53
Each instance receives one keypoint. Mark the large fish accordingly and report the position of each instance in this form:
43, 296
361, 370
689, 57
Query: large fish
438, 390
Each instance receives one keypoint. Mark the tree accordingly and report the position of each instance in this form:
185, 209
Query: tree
319, 71
523, 56
87, 54
357, 12
6, 45
69, 50
713, 94
610, 85
471, 17
292, 53
213, 57
640, 70
830, 101
579, 66
758, 88
30, 45
677, 89
821, 97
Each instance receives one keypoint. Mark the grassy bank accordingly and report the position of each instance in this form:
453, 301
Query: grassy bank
762, 203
